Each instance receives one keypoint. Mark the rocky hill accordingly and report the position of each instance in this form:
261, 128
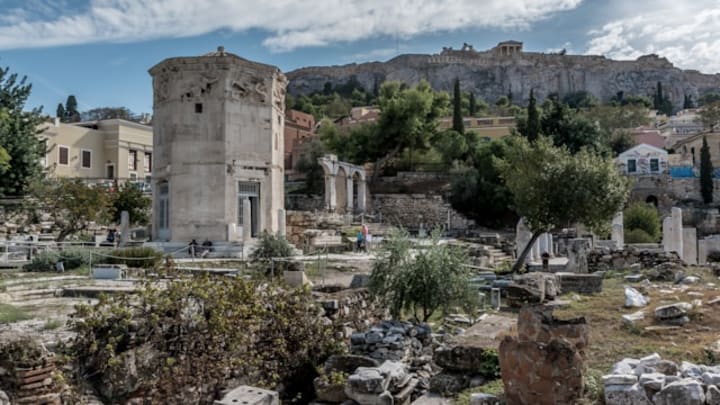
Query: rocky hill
490, 74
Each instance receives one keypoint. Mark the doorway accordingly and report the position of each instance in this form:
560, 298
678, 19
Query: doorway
248, 190
110, 171
163, 220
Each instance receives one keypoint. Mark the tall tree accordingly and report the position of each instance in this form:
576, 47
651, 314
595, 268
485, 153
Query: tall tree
18, 134
657, 100
533, 119
71, 109
458, 125
60, 112
706, 173
553, 187
472, 105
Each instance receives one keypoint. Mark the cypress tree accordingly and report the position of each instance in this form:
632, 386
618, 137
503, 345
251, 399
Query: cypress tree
533, 119
658, 99
473, 105
60, 113
71, 112
458, 125
706, 173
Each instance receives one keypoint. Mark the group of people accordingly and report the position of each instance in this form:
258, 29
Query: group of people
196, 250
364, 238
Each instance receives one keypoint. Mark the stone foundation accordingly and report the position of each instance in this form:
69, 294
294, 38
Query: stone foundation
648, 257
413, 210
544, 363
580, 283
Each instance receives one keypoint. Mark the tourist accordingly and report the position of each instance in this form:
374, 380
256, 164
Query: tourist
365, 232
359, 240
192, 246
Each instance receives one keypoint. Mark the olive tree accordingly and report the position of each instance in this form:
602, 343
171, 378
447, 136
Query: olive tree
419, 283
552, 187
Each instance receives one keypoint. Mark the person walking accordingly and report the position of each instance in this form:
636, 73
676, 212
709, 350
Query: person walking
365, 232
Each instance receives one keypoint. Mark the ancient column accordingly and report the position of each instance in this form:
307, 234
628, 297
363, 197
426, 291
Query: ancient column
349, 192
677, 231
618, 231
361, 195
124, 228
667, 234
247, 220
330, 196
522, 238
281, 222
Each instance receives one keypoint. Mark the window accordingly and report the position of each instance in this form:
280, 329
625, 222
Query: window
148, 162
63, 155
631, 166
132, 160
85, 159
198, 108
654, 165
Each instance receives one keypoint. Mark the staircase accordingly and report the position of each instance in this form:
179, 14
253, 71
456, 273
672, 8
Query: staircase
497, 256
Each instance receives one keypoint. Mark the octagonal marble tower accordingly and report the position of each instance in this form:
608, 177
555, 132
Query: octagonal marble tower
218, 124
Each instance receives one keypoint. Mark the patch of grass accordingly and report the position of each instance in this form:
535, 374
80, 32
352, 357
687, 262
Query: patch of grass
611, 341
11, 314
51, 324
494, 387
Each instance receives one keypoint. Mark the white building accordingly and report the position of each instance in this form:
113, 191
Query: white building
643, 159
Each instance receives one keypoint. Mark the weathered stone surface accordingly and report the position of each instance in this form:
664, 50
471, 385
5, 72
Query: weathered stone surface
483, 399
367, 380
136, 367
686, 392
536, 373
250, 396
671, 311
710, 378
652, 381
536, 323
668, 271
690, 370
519, 295
633, 298
626, 395
625, 366
619, 379
449, 383
712, 396
632, 319
580, 283
348, 363
467, 351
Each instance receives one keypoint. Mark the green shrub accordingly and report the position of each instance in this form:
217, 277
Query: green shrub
644, 217
272, 246
71, 258
638, 236
145, 257
714, 256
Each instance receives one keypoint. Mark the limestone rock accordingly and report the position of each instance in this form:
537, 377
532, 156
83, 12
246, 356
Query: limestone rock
625, 366
632, 319
366, 380
652, 381
626, 395
672, 311
712, 396
686, 392
633, 298
483, 399
449, 383
4, 399
690, 370
710, 378
619, 379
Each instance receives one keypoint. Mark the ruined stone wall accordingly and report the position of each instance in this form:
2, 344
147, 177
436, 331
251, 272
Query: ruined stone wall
297, 222
304, 202
607, 259
669, 191
351, 309
412, 210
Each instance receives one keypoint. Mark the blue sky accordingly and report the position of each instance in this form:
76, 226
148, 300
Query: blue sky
100, 50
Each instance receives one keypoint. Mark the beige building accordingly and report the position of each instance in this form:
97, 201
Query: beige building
98, 150
218, 127
486, 127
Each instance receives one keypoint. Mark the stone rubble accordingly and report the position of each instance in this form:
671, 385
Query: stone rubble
654, 381
673, 314
634, 299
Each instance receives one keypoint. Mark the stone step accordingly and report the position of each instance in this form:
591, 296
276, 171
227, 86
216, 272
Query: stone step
27, 295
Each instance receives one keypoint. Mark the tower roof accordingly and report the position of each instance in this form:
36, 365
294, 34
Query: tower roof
218, 56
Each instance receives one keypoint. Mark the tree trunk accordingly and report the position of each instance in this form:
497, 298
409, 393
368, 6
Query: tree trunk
381, 162
521, 259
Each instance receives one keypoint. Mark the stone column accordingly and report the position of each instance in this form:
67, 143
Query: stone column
690, 248
281, 222
618, 231
542, 243
349, 192
124, 228
361, 195
330, 194
702, 252
551, 247
536, 251
677, 231
247, 220
522, 238
667, 234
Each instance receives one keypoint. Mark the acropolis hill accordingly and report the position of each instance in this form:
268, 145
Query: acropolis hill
506, 67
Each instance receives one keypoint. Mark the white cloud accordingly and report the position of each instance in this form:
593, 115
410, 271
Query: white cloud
687, 33
290, 23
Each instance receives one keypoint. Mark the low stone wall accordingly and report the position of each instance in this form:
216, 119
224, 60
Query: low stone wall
413, 210
304, 202
297, 222
544, 363
614, 259
580, 283
351, 309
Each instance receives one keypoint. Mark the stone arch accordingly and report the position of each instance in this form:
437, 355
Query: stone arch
345, 185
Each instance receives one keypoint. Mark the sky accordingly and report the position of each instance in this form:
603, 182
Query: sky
100, 50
